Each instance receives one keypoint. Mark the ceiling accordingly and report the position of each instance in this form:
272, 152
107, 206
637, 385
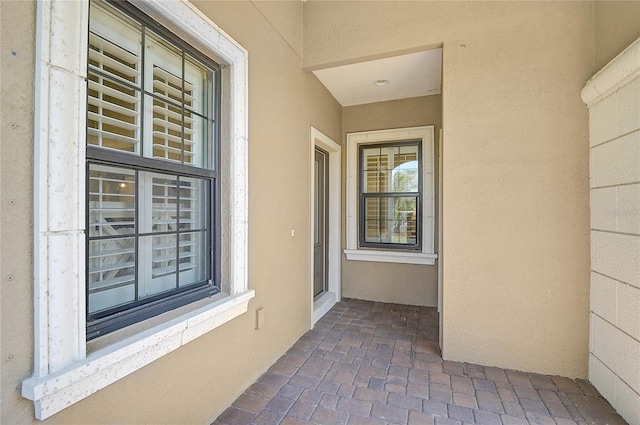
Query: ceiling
412, 75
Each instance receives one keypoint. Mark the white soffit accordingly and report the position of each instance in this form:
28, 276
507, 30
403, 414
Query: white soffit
412, 75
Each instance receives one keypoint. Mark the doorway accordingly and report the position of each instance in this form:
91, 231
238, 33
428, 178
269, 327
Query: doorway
325, 192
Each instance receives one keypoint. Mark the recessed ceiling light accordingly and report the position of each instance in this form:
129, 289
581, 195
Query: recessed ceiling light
381, 82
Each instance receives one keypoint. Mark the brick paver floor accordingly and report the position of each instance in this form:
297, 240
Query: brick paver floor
369, 363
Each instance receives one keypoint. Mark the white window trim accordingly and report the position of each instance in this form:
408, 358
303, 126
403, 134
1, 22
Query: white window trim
63, 373
353, 251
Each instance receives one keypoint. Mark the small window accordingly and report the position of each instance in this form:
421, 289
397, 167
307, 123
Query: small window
390, 195
390, 199
152, 180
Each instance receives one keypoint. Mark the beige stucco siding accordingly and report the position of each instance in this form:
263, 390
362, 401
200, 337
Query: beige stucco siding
617, 25
391, 282
515, 165
194, 383
285, 16
17, 39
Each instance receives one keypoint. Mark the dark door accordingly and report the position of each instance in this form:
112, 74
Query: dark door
320, 223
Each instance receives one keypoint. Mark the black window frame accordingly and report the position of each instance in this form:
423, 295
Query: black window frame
106, 321
363, 196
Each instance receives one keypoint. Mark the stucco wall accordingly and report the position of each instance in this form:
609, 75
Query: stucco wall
515, 207
617, 25
614, 355
194, 383
17, 35
286, 18
390, 282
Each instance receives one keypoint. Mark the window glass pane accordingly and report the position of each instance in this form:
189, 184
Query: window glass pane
405, 177
111, 273
177, 116
376, 217
376, 181
406, 153
390, 220
163, 216
375, 170
114, 43
405, 169
178, 136
198, 80
199, 106
111, 201
167, 130
163, 68
196, 135
192, 258
193, 200
405, 222
114, 61
372, 230
390, 169
114, 73
158, 273
113, 116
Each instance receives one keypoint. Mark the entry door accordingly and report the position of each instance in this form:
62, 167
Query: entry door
320, 223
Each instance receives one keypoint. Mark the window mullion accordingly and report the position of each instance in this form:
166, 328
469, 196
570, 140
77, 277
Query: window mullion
178, 190
136, 241
146, 127
182, 108
110, 156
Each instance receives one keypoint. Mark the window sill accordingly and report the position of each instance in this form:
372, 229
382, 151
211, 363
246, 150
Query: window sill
53, 392
391, 256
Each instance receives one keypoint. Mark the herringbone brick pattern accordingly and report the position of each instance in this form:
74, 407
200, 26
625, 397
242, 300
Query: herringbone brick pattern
369, 363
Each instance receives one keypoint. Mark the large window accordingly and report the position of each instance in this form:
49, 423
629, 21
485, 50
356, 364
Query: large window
151, 180
127, 189
390, 195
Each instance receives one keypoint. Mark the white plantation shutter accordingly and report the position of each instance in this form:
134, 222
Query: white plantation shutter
164, 255
112, 212
376, 180
149, 225
159, 214
191, 258
114, 90
193, 198
175, 126
112, 218
178, 132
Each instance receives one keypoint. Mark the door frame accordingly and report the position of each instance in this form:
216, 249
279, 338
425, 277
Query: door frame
320, 306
